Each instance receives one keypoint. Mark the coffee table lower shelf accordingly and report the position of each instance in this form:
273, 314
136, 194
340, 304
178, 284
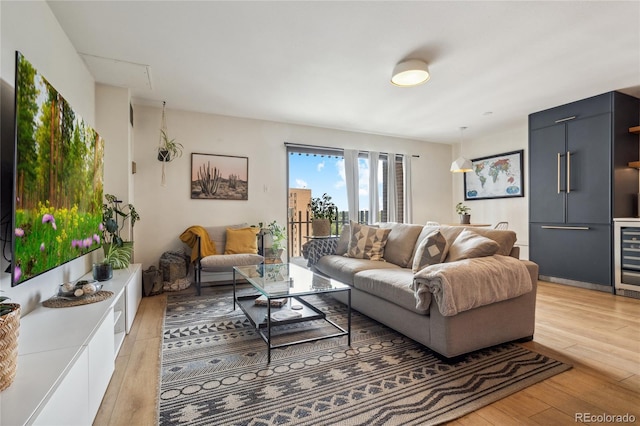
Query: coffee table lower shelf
259, 317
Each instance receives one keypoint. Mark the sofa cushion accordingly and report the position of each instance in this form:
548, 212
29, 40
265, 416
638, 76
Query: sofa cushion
226, 262
431, 250
393, 285
505, 238
367, 242
344, 268
343, 241
242, 240
469, 244
400, 243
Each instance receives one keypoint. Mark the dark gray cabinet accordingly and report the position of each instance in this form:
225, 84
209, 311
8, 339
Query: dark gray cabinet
579, 181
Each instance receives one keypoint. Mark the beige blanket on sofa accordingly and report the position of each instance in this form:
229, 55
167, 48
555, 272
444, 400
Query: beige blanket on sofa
469, 283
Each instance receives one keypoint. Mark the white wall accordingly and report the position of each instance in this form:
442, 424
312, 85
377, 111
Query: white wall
167, 211
31, 28
513, 210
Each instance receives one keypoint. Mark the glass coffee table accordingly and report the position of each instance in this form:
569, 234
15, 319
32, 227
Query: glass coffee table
280, 301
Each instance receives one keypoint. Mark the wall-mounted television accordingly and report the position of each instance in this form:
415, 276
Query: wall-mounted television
57, 179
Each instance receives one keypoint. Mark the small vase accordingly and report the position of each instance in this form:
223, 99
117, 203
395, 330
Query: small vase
465, 219
102, 271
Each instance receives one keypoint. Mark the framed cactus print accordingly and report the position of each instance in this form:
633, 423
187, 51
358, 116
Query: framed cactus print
219, 177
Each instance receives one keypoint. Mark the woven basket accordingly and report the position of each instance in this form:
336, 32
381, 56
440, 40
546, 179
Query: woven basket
9, 330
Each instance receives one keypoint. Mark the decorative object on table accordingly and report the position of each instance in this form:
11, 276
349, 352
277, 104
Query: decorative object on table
463, 211
219, 177
275, 303
9, 331
323, 211
496, 176
67, 302
168, 149
102, 271
80, 288
273, 240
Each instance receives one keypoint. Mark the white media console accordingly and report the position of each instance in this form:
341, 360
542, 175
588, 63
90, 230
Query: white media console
67, 356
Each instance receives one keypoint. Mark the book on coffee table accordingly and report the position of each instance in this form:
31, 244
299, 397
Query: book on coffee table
277, 303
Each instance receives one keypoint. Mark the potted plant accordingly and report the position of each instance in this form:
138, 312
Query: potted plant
117, 257
169, 149
463, 211
9, 330
274, 239
114, 218
323, 211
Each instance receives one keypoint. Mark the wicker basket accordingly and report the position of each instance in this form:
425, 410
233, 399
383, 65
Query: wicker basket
9, 330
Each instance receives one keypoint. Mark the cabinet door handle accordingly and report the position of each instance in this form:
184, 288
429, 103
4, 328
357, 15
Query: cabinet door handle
558, 173
568, 172
565, 119
569, 228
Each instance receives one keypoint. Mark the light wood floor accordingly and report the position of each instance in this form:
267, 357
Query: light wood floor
598, 333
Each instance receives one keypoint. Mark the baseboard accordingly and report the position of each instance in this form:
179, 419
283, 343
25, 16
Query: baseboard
573, 283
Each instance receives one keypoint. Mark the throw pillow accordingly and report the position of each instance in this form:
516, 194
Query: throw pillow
366, 242
241, 240
431, 250
468, 244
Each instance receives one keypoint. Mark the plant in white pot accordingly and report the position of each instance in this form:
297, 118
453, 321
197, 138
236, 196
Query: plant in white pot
463, 211
9, 330
274, 240
323, 212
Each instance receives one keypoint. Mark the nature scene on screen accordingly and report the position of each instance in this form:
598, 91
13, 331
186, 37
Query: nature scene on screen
58, 179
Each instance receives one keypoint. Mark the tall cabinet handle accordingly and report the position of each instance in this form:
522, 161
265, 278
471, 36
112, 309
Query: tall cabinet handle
568, 172
558, 173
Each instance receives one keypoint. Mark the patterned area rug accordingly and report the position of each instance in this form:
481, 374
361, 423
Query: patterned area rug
215, 372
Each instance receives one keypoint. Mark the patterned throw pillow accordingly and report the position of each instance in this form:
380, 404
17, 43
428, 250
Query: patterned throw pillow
367, 242
431, 250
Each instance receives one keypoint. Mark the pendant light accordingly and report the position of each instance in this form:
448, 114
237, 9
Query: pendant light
461, 165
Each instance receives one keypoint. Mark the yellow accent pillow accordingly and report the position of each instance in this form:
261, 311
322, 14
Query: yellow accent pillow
241, 240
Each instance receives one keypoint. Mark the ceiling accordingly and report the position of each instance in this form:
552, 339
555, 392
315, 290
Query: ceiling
328, 64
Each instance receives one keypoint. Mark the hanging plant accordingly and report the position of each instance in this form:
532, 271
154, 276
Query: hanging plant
169, 149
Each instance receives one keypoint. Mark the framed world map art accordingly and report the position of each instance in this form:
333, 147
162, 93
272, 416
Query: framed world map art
496, 176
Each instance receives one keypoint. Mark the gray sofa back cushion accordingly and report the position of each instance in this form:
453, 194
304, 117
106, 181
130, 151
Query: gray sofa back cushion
401, 243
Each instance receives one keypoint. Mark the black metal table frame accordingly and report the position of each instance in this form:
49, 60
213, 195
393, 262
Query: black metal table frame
264, 328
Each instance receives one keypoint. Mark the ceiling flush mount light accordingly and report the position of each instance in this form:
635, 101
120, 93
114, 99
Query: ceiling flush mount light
461, 165
411, 72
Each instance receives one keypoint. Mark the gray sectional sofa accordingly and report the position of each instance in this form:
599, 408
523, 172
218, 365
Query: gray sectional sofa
450, 320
